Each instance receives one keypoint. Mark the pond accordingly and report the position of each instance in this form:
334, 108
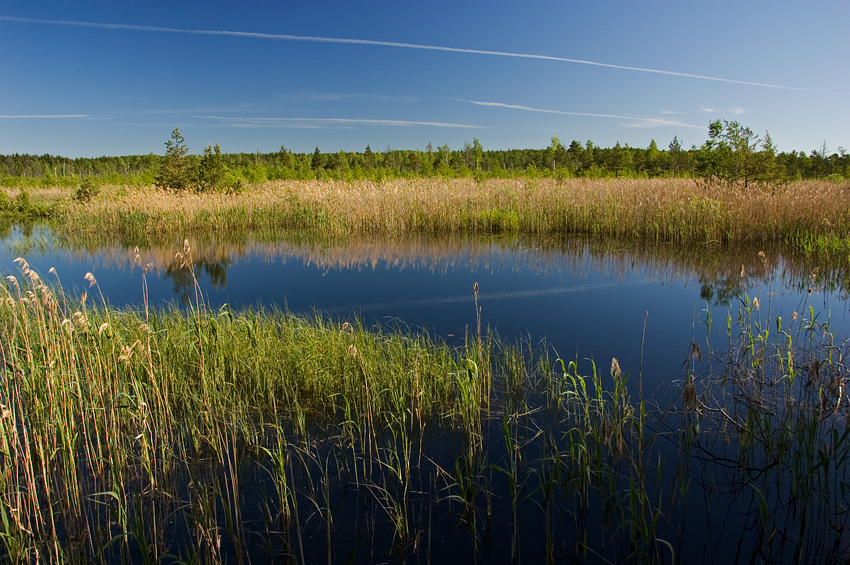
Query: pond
587, 302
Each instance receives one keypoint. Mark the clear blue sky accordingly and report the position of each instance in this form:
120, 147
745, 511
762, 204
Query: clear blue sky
80, 78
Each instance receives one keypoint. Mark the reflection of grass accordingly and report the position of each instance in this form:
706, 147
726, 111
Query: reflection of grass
669, 210
722, 271
131, 435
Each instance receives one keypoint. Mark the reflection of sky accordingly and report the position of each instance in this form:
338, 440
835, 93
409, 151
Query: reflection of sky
584, 311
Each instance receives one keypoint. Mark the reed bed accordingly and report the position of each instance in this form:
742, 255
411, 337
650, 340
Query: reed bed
211, 436
809, 215
105, 412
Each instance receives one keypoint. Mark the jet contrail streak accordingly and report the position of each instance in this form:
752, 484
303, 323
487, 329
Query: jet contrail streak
343, 121
649, 121
319, 39
460, 299
40, 116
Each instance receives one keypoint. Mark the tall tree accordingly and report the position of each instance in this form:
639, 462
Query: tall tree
675, 149
478, 152
555, 153
738, 154
212, 170
176, 170
653, 159
318, 161
369, 157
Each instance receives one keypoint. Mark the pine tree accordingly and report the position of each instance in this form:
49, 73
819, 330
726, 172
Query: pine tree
175, 172
212, 170
675, 149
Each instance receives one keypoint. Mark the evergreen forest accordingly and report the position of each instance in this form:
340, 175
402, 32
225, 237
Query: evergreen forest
732, 153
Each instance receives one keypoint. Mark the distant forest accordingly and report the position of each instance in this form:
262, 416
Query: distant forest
731, 153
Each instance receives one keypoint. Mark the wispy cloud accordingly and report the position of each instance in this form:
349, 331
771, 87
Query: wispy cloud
334, 97
327, 122
41, 116
349, 41
634, 121
735, 110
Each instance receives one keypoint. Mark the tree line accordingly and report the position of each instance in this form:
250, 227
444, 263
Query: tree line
732, 153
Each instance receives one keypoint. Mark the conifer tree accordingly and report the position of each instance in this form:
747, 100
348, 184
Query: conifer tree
175, 172
212, 170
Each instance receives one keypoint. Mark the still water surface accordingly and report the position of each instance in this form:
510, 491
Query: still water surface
642, 306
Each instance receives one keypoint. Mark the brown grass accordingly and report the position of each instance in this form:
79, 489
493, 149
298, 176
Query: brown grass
672, 210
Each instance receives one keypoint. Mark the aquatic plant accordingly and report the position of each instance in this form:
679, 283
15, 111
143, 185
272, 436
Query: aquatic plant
210, 435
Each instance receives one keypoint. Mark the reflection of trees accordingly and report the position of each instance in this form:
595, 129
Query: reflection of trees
722, 271
5, 228
721, 290
184, 279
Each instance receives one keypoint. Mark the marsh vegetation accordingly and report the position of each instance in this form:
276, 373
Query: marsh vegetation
205, 432
807, 217
209, 434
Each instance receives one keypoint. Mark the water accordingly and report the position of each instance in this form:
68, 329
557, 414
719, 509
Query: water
644, 306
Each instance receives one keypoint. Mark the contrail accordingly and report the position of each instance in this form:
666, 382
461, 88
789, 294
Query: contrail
40, 116
348, 41
649, 121
407, 303
337, 121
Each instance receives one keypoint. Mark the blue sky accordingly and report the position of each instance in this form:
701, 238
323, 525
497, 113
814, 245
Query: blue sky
114, 78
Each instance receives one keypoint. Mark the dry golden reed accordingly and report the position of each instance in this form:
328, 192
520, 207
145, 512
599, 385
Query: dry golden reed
669, 210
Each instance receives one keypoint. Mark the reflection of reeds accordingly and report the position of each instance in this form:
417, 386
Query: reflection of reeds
131, 437
722, 270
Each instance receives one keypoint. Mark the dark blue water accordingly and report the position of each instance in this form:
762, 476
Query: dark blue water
588, 305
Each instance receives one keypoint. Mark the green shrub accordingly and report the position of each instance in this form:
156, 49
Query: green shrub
5, 201
22, 202
87, 190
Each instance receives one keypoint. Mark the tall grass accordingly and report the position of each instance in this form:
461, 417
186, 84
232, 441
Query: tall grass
804, 215
106, 412
209, 436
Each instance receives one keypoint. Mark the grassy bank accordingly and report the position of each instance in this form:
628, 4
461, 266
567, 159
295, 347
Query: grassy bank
812, 217
197, 435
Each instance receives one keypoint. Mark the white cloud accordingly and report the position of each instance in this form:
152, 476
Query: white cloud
319, 39
734, 110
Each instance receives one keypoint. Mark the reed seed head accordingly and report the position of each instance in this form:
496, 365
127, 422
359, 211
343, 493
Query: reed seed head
80, 320
695, 349
615, 368
689, 396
